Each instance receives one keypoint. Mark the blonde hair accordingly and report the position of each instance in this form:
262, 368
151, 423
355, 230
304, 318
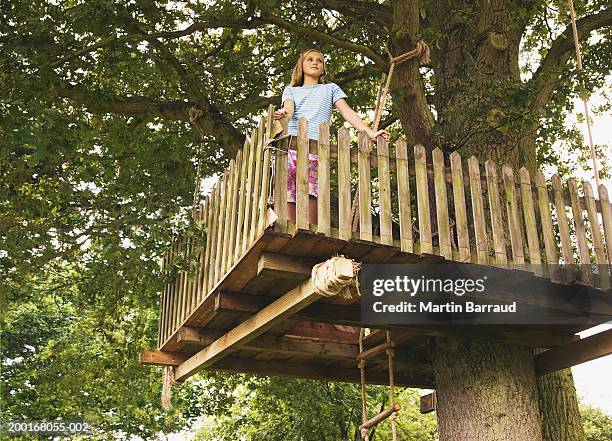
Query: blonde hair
297, 76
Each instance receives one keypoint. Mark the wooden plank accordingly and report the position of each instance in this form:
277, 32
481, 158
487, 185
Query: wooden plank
266, 185
461, 221
596, 237
562, 221
276, 345
162, 358
320, 372
442, 204
403, 196
514, 222
280, 176
248, 200
242, 186
480, 231
531, 226
301, 177
365, 187
183, 281
211, 239
233, 237
220, 227
173, 291
550, 244
323, 182
279, 266
606, 215
229, 215
587, 349
257, 184
203, 269
384, 192
497, 227
256, 325
344, 185
162, 304
581, 240
420, 165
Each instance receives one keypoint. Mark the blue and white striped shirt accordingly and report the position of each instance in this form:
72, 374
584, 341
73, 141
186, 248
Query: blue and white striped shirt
315, 103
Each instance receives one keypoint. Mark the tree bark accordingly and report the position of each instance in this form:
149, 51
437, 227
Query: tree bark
486, 391
559, 407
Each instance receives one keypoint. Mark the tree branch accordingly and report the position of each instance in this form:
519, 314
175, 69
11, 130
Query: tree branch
547, 77
102, 103
379, 14
325, 38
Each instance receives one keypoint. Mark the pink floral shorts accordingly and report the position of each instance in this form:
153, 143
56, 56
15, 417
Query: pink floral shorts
312, 175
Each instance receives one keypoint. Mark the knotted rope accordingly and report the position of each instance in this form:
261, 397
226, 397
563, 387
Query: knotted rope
327, 283
168, 382
421, 50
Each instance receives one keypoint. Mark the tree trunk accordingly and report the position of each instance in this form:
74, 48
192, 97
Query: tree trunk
486, 392
559, 407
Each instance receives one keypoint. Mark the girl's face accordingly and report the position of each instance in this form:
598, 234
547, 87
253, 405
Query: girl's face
313, 64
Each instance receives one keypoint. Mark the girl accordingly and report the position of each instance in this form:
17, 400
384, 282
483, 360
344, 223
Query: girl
307, 96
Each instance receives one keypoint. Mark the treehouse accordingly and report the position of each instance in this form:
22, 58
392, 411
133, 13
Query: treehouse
249, 304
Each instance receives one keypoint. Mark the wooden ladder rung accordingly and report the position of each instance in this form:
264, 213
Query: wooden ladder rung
364, 355
377, 419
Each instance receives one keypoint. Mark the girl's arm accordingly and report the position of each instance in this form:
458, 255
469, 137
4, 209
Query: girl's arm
285, 111
355, 120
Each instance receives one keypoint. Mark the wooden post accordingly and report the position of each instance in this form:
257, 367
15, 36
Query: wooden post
403, 197
240, 220
301, 178
280, 178
600, 255
420, 166
496, 217
606, 216
480, 231
384, 192
562, 222
248, 200
463, 237
323, 182
364, 185
550, 244
583, 246
257, 184
344, 184
533, 243
442, 204
514, 222
229, 215
265, 172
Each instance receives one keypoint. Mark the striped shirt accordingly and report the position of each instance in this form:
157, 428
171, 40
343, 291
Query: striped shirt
315, 103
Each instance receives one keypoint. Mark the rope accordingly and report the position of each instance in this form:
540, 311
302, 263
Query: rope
194, 115
421, 50
365, 433
327, 284
583, 93
393, 417
168, 382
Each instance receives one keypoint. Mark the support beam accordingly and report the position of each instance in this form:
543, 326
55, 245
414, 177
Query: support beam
281, 309
319, 372
161, 358
276, 345
280, 266
589, 348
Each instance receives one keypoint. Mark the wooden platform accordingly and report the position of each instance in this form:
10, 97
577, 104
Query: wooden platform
414, 207
320, 341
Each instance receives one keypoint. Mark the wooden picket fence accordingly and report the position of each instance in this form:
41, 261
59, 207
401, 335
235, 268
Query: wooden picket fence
482, 214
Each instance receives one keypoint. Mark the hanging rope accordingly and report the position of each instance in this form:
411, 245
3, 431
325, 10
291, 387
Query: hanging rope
583, 93
393, 417
365, 433
194, 115
421, 50
168, 382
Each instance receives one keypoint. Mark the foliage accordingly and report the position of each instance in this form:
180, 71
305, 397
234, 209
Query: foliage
97, 170
597, 425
